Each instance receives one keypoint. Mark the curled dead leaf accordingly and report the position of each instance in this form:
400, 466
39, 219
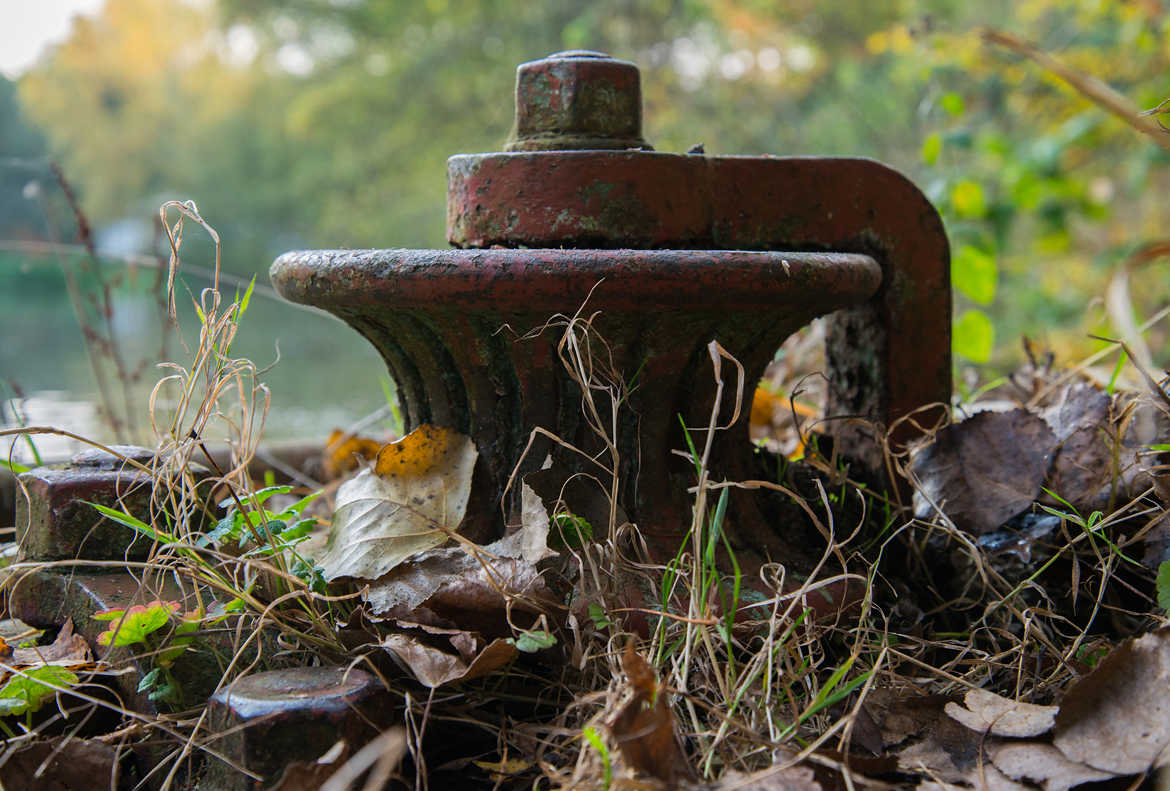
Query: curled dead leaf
472, 588
984, 470
1102, 455
60, 763
792, 778
1042, 763
987, 712
644, 724
413, 500
433, 667
1117, 718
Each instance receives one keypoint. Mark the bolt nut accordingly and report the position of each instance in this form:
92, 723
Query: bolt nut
56, 521
577, 100
272, 719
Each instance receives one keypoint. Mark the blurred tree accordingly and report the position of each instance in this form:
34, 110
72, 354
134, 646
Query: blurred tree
328, 122
22, 151
1044, 192
128, 93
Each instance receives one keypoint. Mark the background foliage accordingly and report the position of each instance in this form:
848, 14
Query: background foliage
328, 122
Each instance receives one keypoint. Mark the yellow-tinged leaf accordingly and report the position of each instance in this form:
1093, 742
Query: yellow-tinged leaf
973, 336
967, 199
417, 453
344, 454
412, 501
500, 771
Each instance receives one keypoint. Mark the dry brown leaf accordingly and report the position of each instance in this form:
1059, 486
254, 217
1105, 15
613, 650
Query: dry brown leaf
69, 649
1042, 763
644, 724
948, 752
792, 778
1082, 464
1117, 718
902, 713
987, 712
450, 586
984, 470
534, 527
1103, 446
985, 778
499, 771
69, 764
346, 453
1075, 407
434, 667
413, 500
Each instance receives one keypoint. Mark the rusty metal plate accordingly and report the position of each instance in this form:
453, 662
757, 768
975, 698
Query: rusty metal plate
890, 358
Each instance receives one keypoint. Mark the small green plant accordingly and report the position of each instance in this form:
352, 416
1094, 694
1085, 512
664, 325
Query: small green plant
572, 531
144, 623
600, 620
1162, 583
594, 738
264, 533
529, 642
1093, 525
259, 532
28, 690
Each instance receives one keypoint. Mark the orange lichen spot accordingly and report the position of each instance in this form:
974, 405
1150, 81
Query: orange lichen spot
345, 453
767, 407
763, 404
415, 454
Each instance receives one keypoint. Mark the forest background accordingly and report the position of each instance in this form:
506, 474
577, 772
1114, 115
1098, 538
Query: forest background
327, 123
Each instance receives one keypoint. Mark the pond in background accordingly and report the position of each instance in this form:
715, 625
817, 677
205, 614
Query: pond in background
327, 375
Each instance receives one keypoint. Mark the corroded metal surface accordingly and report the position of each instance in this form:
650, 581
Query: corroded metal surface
46, 599
887, 359
55, 521
578, 175
268, 720
448, 324
297, 692
577, 99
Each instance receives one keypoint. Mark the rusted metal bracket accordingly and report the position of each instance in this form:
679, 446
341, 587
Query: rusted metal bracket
673, 251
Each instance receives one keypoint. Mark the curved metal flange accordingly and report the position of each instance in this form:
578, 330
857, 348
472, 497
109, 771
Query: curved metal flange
441, 320
887, 358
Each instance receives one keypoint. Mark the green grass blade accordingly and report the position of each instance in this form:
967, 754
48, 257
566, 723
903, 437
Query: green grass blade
132, 522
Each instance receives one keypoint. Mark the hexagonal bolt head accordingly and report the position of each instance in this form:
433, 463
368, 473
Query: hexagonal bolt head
272, 719
577, 100
56, 521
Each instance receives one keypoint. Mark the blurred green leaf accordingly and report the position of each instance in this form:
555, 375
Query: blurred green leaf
952, 103
967, 200
531, 642
1163, 585
974, 272
598, 616
931, 148
973, 336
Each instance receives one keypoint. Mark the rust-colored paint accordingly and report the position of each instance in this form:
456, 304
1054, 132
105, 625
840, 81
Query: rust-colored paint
672, 251
577, 99
898, 354
269, 720
448, 324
